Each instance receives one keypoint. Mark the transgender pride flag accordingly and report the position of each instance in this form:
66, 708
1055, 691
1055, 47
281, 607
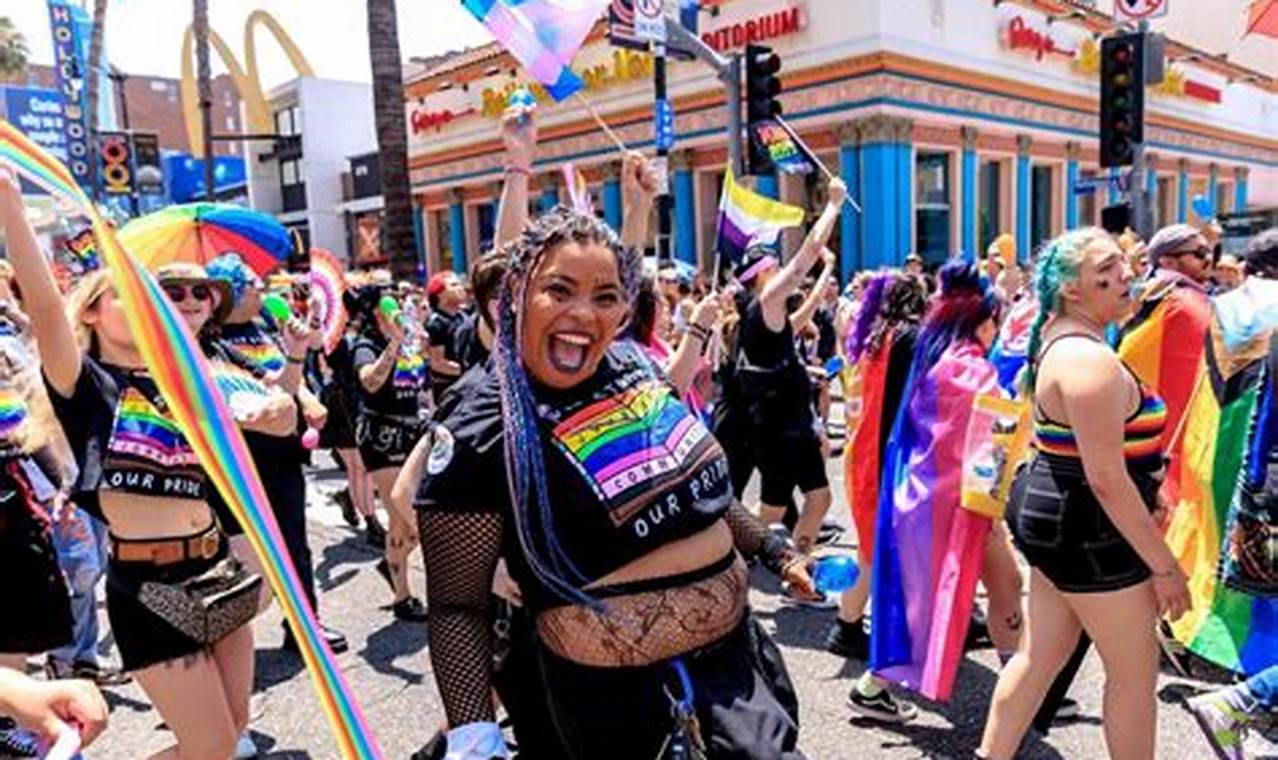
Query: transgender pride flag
747, 218
543, 35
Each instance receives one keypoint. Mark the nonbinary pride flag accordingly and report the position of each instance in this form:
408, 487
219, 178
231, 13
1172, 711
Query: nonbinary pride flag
543, 35
747, 218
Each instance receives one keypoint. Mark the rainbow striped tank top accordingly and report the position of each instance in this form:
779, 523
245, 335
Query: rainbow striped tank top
1142, 432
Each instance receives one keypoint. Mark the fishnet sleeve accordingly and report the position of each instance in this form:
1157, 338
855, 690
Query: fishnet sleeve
461, 551
753, 539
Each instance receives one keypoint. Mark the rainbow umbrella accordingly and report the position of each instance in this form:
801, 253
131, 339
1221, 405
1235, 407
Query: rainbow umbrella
200, 232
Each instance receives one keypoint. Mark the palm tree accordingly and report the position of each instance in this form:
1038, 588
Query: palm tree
13, 50
95, 66
398, 243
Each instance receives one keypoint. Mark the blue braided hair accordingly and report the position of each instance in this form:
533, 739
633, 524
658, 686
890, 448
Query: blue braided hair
525, 464
1058, 264
965, 302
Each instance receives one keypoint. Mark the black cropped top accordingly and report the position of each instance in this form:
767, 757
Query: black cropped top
124, 438
628, 466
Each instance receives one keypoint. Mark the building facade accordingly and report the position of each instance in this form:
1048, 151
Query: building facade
302, 178
951, 122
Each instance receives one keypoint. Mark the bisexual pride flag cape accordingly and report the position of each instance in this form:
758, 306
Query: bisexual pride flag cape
928, 551
1232, 398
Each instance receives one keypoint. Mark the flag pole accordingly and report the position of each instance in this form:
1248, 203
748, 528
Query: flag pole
824, 169
621, 146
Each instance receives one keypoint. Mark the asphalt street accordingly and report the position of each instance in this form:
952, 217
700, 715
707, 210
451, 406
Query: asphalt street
389, 670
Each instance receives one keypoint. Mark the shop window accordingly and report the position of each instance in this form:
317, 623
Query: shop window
1087, 203
444, 220
1224, 198
288, 121
1041, 196
292, 186
1164, 202
486, 214
932, 205
991, 202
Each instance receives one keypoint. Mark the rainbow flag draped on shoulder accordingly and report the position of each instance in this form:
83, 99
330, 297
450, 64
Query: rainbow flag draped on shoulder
928, 551
1220, 442
747, 218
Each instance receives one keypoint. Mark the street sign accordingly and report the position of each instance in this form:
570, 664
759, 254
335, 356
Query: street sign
665, 129
650, 20
621, 26
1140, 10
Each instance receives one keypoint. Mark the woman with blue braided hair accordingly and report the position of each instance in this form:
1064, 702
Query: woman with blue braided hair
574, 459
1082, 510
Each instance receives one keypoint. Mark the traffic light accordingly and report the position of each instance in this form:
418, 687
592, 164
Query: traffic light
762, 88
1122, 98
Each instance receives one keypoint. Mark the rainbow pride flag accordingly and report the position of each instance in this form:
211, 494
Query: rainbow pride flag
928, 551
1229, 628
183, 375
543, 35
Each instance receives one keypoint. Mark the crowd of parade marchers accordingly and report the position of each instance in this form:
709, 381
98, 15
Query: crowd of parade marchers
567, 432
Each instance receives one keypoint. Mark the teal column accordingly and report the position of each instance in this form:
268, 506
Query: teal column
1240, 189
1111, 187
1023, 195
1151, 179
878, 192
549, 193
852, 255
1071, 180
685, 209
766, 184
968, 201
419, 241
457, 233
612, 197
904, 189
1213, 181
1182, 192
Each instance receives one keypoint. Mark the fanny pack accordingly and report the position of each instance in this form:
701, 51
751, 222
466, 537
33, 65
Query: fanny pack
210, 605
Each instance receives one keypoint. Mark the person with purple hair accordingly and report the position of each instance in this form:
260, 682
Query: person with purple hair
880, 346
928, 552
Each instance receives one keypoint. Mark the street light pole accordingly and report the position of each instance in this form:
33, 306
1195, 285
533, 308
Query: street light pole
728, 69
119, 78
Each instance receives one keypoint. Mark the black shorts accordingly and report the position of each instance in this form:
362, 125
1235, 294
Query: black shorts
785, 462
386, 441
1060, 527
339, 428
742, 695
145, 638
38, 604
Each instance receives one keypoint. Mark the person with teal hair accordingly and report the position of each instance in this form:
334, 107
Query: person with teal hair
1082, 510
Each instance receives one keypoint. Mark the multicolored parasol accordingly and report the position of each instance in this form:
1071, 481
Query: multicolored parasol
200, 232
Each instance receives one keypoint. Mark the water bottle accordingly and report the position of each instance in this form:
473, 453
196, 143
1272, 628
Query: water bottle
835, 573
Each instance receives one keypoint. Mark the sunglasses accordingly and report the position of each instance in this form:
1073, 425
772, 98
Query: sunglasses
178, 293
1202, 252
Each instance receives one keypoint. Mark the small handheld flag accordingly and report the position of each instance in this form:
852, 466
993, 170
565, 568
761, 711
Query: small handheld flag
543, 35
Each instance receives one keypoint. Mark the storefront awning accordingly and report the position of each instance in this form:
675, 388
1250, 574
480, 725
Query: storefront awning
1263, 18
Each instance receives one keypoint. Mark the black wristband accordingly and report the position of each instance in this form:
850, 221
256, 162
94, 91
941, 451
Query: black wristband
776, 552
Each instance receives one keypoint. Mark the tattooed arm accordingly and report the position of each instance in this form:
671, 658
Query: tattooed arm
374, 375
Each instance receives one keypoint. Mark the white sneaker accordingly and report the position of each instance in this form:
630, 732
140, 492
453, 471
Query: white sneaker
245, 748
825, 602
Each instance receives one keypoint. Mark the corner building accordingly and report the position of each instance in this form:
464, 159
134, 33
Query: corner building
951, 121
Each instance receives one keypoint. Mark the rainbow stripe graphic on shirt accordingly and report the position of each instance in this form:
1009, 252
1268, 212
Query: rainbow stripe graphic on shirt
410, 371
265, 357
13, 412
142, 432
631, 443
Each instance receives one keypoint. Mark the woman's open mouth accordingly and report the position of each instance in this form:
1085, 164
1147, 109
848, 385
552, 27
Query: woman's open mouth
568, 351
